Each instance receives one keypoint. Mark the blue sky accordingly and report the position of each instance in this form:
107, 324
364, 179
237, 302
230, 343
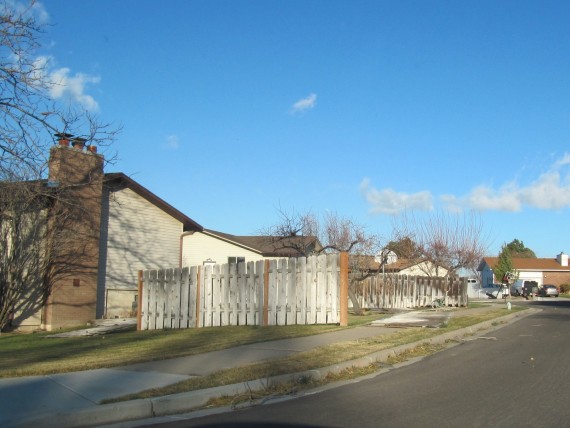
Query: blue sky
232, 110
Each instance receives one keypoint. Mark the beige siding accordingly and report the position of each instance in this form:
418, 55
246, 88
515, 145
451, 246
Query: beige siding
200, 247
140, 236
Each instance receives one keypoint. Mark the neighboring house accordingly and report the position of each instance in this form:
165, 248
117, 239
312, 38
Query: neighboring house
414, 267
120, 227
139, 231
542, 270
130, 229
209, 246
392, 264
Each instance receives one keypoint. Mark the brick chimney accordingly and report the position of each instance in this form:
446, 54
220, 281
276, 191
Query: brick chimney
76, 177
74, 165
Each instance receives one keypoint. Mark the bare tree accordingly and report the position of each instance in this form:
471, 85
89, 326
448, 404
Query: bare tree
33, 214
22, 259
334, 234
442, 240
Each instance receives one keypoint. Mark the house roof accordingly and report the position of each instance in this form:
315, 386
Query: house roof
118, 178
397, 266
268, 246
527, 264
400, 265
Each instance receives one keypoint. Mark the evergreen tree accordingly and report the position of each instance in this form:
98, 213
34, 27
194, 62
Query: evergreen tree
504, 264
517, 249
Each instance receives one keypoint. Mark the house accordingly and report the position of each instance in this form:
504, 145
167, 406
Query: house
209, 246
139, 230
542, 270
115, 227
415, 267
390, 263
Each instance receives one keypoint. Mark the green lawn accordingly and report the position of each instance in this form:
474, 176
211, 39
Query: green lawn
36, 353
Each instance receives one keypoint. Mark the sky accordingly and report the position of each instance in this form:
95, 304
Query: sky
235, 110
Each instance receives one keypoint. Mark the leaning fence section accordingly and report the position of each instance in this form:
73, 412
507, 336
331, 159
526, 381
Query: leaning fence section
407, 292
269, 292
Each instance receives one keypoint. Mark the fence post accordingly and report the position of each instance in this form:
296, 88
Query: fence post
343, 289
139, 303
266, 293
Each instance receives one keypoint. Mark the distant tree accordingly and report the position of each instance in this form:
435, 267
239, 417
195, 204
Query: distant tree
518, 249
504, 264
452, 242
404, 247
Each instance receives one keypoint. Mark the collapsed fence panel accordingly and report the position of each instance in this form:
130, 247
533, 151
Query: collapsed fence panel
270, 292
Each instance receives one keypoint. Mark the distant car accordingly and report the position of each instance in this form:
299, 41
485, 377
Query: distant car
524, 287
548, 290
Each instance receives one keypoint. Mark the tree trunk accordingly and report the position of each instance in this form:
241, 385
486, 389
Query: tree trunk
355, 304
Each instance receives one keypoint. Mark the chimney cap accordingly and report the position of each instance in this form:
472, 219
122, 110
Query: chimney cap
63, 135
78, 142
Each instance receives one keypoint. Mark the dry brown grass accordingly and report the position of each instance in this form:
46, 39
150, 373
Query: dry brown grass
326, 356
37, 354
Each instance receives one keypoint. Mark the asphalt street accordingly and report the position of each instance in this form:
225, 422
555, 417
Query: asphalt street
516, 376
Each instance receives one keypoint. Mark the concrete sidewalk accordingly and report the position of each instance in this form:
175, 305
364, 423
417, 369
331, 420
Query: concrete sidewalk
72, 399
22, 398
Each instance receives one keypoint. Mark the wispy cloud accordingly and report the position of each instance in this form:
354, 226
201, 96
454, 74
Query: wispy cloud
34, 10
303, 104
565, 160
172, 142
550, 191
59, 82
65, 85
73, 87
388, 201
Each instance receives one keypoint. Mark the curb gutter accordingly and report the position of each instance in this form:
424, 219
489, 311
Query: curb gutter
186, 402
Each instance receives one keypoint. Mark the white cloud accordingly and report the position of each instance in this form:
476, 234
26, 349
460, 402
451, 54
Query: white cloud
387, 201
304, 104
63, 85
484, 198
172, 142
550, 191
35, 10
547, 193
59, 83
565, 160
40, 13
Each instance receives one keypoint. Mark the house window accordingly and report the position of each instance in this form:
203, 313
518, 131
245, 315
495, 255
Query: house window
236, 260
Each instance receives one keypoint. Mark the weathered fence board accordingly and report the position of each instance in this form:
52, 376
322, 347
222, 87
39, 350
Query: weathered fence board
277, 292
403, 291
289, 291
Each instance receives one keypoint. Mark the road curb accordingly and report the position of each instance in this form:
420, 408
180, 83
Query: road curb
186, 402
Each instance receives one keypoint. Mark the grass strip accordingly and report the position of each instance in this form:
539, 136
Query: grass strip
36, 354
322, 357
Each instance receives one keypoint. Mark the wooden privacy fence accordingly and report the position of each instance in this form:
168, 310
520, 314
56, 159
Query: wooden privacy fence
391, 291
302, 290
